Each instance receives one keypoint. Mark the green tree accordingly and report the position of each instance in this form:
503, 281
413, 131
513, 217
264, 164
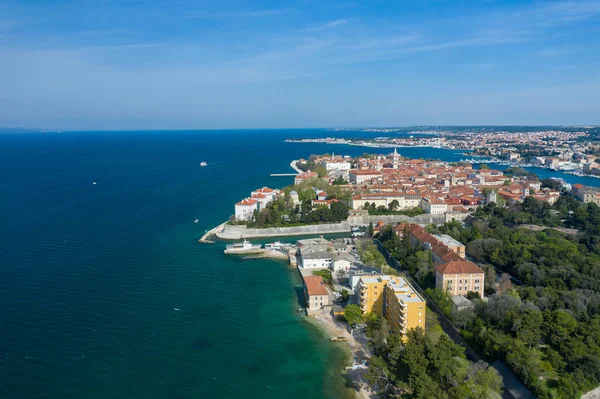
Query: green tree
393, 206
353, 314
320, 170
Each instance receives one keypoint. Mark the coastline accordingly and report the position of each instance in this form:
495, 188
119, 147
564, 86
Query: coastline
355, 348
577, 173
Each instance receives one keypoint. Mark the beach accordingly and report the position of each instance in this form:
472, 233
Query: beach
358, 351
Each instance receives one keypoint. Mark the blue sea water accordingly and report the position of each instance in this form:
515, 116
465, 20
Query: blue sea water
107, 294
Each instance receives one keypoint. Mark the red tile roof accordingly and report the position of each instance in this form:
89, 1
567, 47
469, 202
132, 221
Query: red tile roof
459, 267
315, 285
247, 201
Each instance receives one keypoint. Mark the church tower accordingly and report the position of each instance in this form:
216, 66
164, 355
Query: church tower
396, 158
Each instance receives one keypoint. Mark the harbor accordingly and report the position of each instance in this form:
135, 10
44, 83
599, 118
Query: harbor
275, 250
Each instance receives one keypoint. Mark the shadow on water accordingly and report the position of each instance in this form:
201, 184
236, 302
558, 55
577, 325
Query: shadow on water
300, 296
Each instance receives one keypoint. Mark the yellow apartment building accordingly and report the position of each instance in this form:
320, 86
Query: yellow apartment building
394, 298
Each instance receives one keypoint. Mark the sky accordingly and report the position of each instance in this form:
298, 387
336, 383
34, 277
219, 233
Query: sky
179, 64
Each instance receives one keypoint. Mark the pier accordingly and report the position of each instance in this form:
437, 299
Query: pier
293, 166
205, 238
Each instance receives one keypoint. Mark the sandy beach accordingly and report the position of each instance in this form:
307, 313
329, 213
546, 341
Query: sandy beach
357, 344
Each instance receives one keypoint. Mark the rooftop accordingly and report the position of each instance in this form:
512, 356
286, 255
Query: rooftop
315, 285
459, 267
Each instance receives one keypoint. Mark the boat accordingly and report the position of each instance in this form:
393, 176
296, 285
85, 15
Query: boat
195, 220
273, 245
245, 247
203, 163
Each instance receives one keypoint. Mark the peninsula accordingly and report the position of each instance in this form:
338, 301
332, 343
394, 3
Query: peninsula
442, 256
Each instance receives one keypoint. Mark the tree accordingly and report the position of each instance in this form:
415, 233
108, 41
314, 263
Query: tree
340, 181
528, 326
353, 314
393, 206
371, 231
380, 375
320, 170
504, 285
473, 295
339, 210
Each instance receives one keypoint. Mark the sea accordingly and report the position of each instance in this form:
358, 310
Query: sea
106, 293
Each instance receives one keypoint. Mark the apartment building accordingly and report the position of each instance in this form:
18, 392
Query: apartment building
394, 298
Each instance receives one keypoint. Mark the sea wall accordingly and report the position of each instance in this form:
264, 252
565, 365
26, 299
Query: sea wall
394, 219
234, 232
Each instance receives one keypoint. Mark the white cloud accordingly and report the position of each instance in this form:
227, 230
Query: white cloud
327, 26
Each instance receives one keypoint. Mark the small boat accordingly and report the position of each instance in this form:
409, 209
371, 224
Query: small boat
176, 309
273, 245
203, 163
195, 220
94, 183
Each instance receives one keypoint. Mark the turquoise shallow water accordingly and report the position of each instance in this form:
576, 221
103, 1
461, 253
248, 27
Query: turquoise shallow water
90, 275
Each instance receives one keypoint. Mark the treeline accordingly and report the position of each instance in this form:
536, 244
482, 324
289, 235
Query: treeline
284, 211
428, 365
276, 214
391, 209
547, 329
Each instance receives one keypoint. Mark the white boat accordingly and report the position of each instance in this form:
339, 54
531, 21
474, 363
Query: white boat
195, 220
203, 163
243, 247
273, 245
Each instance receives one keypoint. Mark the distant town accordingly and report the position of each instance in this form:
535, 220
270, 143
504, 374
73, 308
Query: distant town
573, 151
438, 250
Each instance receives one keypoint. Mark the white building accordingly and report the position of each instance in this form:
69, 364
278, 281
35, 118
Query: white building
267, 192
405, 201
361, 176
244, 210
294, 197
311, 259
336, 165
341, 263
433, 206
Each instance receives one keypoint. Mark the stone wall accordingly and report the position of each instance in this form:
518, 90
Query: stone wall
234, 232
394, 219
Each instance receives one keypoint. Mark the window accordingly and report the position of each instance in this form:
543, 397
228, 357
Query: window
476, 288
420, 314
420, 307
460, 281
420, 321
460, 288
477, 281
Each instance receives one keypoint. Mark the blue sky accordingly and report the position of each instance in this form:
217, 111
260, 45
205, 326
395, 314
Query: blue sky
178, 64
